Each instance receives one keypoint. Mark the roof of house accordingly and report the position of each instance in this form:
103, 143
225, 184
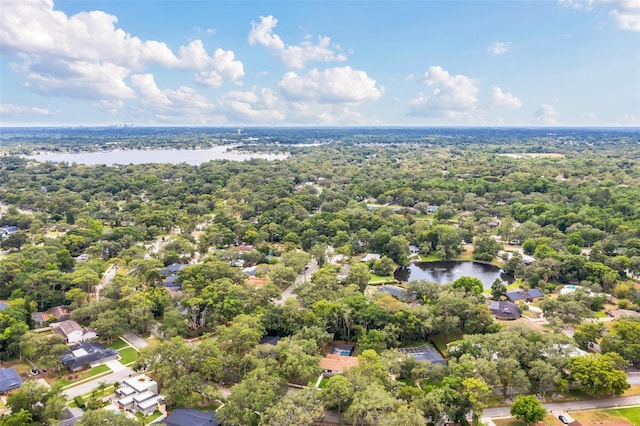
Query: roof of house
424, 353
174, 268
140, 383
189, 417
524, 295
270, 340
66, 327
86, 353
71, 416
397, 292
620, 313
338, 363
9, 379
172, 281
370, 256
3, 306
59, 311
504, 309
9, 229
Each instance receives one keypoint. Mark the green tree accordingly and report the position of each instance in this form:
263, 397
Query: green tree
498, 288
104, 417
599, 375
528, 409
337, 393
587, 333
298, 408
469, 285
624, 339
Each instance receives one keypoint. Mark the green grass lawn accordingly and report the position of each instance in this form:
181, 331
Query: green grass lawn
441, 343
128, 355
148, 419
116, 344
100, 369
323, 383
632, 414
373, 278
431, 257
600, 314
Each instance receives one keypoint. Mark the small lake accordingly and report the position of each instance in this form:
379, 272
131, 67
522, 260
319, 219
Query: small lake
193, 157
447, 271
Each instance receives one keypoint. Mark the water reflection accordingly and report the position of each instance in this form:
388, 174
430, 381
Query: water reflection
448, 271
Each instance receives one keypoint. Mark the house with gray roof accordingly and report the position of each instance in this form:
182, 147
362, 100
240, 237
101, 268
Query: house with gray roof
190, 417
504, 310
87, 355
9, 380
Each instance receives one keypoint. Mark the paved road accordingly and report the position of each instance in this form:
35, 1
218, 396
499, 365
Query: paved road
633, 378
106, 279
287, 293
557, 407
87, 387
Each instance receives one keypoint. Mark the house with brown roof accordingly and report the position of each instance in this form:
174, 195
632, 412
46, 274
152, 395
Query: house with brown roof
336, 364
72, 331
58, 313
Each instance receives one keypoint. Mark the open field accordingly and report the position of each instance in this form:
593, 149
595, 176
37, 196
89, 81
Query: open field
128, 355
615, 417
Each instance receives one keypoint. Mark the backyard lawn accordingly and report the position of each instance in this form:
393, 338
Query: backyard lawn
373, 278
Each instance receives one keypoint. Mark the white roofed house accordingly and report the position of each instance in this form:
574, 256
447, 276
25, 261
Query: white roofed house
72, 331
140, 394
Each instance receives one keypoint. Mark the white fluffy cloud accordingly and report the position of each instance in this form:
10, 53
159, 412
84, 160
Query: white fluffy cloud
181, 105
546, 115
503, 99
499, 47
293, 56
19, 111
452, 95
625, 13
252, 106
87, 56
333, 85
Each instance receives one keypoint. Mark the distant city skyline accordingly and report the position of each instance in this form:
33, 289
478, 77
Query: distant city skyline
320, 63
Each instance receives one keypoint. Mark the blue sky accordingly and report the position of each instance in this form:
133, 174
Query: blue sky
325, 63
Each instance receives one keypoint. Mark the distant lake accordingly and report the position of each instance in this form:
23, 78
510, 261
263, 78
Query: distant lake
144, 156
448, 271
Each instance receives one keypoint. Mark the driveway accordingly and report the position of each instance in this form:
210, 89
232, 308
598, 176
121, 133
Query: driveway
133, 340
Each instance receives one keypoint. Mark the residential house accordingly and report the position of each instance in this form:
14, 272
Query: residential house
336, 364
71, 416
9, 380
189, 417
59, 313
527, 295
424, 353
370, 257
621, 313
431, 209
140, 394
5, 231
3, 306
174, 268
72, 331
87, 355
397, 292
414, 250
504, 310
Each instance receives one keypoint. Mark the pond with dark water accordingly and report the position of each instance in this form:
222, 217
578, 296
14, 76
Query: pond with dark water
447, 271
